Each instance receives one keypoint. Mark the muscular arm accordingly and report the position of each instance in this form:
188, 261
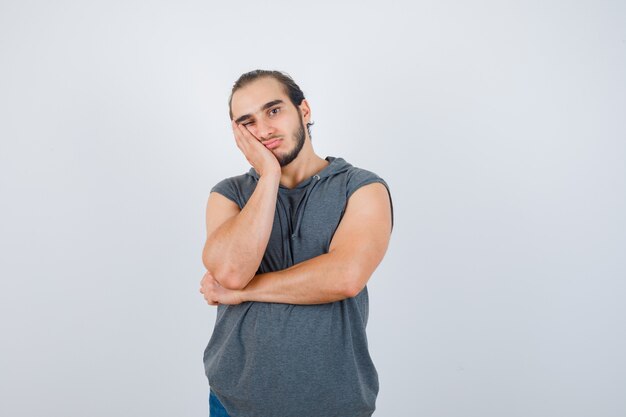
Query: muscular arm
343, 272
234, 248
322, 279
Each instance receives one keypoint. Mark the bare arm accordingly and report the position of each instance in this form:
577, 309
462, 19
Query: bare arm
322, 279
234, 250
343, 272
237, 239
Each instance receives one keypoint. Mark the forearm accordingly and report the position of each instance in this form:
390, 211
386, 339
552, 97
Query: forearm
323, 279
234, 251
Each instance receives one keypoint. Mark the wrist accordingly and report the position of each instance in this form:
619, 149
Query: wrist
243, 295
273, 176
250, 291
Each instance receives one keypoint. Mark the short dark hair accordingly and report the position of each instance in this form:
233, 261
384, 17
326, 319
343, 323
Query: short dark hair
292, 89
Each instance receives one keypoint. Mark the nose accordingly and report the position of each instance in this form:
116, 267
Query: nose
264, 130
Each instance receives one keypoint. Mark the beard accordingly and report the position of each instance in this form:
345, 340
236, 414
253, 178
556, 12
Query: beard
299, 138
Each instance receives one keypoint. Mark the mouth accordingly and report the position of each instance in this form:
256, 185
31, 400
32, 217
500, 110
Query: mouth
272, 143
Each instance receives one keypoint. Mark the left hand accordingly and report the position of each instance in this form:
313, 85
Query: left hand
215, 294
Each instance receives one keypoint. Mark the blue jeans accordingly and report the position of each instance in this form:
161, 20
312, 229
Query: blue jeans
216, 409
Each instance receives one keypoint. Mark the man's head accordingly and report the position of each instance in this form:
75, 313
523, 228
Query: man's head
271, 105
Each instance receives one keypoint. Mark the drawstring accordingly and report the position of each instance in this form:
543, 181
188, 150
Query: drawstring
286, 244
296, 231
287, 249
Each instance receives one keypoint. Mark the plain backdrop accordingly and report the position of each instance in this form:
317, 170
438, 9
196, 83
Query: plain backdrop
500, 127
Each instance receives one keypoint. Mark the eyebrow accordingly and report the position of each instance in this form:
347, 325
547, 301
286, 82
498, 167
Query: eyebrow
264, 107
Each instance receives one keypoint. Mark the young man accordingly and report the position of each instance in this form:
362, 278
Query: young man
290, 247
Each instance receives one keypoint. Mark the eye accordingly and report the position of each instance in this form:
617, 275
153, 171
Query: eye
275, 110
248, 123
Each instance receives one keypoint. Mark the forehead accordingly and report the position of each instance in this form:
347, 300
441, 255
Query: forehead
249, 99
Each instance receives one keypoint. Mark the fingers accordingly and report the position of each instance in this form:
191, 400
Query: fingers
243, 130
246, 141
208, 294
243, 142
240, 137
207, 298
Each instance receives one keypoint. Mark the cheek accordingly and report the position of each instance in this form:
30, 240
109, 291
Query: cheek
254, 131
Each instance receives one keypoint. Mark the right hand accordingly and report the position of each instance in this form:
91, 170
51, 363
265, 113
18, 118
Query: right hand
215, 294
262, 159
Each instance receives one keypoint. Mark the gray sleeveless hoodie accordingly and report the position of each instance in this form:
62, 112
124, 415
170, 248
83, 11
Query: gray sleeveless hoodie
295, 360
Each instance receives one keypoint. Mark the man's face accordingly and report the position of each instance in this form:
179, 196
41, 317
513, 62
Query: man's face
266, 111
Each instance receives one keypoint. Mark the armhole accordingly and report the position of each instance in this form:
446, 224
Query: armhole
371, 180
224, 188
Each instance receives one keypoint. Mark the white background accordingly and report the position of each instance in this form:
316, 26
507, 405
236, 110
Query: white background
499, 126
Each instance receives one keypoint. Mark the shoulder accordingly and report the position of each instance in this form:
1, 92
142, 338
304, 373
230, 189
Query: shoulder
357, 177
236, 181
237, 188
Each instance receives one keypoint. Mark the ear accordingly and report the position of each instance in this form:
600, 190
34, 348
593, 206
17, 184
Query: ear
305, 110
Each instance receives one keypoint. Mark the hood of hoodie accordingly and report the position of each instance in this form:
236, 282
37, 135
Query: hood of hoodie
336, 166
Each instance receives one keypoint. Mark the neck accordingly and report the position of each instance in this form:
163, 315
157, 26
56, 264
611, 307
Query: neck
307, 164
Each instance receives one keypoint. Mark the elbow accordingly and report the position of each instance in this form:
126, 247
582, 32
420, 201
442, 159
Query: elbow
228, 281
225, 277
354, 285
352, 290
232, 282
